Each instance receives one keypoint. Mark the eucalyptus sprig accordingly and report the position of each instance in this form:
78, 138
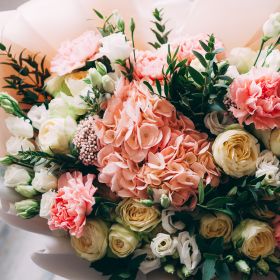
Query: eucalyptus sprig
29, 77
159, 29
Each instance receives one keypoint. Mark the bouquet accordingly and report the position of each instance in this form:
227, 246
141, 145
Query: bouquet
147, 159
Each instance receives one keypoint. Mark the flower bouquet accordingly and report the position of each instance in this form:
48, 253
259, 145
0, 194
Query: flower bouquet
148, 159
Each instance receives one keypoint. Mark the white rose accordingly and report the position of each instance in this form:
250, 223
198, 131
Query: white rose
163, 245
56, 134
242, 58
236, 152
46, 204
19, 127
167, 223
271, 27
268, 165
188, 251
44, 181
17, 144
38, 115
115, 47
16, 175
150, 263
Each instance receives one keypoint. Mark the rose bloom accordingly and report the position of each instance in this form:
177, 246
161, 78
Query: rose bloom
236, 152
163, 245
276, 224
216, 225
73, 203
93, 243
137, 216
255, 98
257, 239
74, 54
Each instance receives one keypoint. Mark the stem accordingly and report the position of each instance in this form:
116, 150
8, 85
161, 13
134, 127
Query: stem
264, 40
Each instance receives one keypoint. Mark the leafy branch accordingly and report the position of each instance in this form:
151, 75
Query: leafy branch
30, 77
159, 29
128, 68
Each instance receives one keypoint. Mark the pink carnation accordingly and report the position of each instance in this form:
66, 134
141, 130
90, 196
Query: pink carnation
73, 203
73, 54
255, 98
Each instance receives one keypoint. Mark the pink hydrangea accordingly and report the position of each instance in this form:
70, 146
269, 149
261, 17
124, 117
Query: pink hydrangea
73, 203
255, 98
143, 136
74, 54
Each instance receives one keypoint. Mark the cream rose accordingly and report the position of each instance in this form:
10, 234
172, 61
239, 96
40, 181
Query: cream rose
254, 239
56, 134
163, 245
93, 243
236, 152
16, 175
217, 225
122, 241
137, 216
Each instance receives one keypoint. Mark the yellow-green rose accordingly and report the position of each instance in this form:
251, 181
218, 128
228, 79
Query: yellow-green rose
137, 216
92, 245
216, 225
236, 152
122, 241
254, 239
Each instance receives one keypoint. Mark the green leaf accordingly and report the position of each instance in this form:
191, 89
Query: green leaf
208, 268
222, 271
218, 202
217, 246
200, 58
158, 85
197, 77
98, 14
204, 46
201, 192
148, 85
2, 47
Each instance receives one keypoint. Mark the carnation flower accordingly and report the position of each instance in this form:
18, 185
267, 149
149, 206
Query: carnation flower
255, 98
73, 203
73, 54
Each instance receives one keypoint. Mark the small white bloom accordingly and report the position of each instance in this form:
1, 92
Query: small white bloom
47, 202
167, 223
150, 263
95, 77
16, 175
271, 27
188, 251
38, 115
163, 245
242, 58
75, 83
108, 84
115, 47
272, 61
17, 144
44, 181
26, 190
19, 127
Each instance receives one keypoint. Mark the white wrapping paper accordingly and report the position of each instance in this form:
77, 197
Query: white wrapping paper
41, 25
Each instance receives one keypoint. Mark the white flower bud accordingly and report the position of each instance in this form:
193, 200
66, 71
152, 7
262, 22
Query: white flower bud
16, 175
44, 181
271, 28
26, 191
19, 127
108, 84
28, 208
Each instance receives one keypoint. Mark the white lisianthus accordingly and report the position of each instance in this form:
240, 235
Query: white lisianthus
56, 134
26, 190
242, 58
95, 78
122, 241
46, 204
16, 144
19, 127
44, 181
150, 263
163, 245
38, 115
121, 50
268, 165
75, 83
55, 84
188, 251
93, 243
272, 61
108, 84
16, 175
167, 223
271, 28
236, 152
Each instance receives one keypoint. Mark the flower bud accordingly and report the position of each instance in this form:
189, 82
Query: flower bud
273, 259
186, 272
95, 78
169, 268
147, 202
165, 201
263, 266
26, 191
28, 208
8, 103
101, 68
108, 84
243, 267
233, 191
229, 259
6, 160
271, 27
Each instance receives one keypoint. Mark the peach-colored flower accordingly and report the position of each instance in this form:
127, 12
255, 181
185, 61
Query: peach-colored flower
73, 203
276, 224
255, 98
73, 54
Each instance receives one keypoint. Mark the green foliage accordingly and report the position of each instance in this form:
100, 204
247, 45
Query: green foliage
119, 268
127, 68
93, 100
104, 209
159, 29
29, 78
